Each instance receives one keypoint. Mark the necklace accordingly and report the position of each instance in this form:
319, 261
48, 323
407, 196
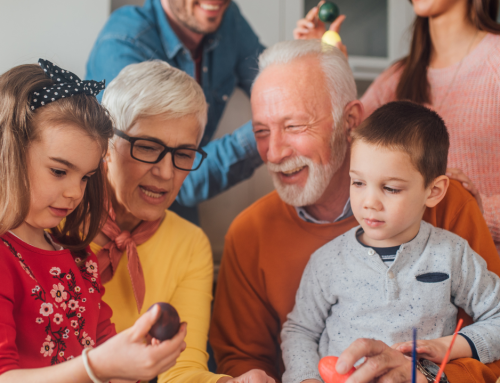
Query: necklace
457, 70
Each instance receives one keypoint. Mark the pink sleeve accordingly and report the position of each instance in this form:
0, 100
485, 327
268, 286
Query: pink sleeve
491, 207
381, 91
9, 357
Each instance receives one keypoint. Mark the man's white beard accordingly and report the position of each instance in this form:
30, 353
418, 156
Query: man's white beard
318, 178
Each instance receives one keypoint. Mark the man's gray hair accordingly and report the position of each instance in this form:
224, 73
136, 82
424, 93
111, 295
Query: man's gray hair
340, 80
153, 88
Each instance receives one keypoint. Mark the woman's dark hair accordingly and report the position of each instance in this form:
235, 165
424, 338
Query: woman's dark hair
19, 126
413, 84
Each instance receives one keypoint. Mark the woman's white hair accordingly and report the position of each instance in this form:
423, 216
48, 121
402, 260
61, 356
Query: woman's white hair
340, 80
153, 88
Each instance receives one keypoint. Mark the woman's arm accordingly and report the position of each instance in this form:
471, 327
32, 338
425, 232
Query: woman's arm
125, 356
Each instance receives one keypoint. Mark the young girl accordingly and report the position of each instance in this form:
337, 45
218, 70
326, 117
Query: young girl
53, 135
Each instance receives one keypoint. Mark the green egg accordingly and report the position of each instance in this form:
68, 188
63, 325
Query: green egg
328, 12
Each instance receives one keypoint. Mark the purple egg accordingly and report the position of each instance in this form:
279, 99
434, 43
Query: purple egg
167, 325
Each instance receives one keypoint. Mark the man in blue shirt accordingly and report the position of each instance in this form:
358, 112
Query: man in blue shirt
212, 42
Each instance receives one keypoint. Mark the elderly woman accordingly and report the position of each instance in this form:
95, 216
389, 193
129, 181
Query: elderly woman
159, 114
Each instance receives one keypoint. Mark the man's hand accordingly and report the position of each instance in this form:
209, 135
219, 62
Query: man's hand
311, 27
382, 364
459, 175
252, 376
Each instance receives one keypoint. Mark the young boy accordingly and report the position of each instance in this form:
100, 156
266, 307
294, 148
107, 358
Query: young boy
395, 271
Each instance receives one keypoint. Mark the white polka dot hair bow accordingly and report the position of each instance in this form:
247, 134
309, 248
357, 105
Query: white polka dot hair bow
66, 84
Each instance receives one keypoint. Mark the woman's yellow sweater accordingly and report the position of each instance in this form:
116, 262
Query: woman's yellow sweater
178, 269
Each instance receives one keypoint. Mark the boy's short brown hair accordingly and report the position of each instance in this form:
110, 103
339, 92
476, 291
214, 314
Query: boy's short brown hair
413, 129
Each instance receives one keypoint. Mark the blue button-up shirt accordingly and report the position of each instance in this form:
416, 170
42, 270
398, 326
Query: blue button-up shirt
137, 34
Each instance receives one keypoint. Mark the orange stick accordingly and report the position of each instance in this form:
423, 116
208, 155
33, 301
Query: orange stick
447, 355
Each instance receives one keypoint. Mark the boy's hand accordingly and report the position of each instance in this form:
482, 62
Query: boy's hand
435, 349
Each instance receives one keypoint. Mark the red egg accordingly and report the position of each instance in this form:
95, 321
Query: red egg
167, 324
328, 372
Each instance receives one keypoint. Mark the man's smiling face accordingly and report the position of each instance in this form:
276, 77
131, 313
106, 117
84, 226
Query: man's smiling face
199, 16
294, 129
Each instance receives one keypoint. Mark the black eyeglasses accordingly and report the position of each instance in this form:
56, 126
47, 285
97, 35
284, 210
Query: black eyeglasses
152, 152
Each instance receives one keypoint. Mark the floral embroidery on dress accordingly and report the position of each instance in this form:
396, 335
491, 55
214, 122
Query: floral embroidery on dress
87, 342
46, 309
47, 347
89, 272
58, 293
67, 296
58, 319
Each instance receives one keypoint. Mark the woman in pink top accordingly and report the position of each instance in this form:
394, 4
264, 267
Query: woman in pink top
454, 68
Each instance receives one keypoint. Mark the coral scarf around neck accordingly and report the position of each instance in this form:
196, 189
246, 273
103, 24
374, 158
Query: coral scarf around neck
110, 254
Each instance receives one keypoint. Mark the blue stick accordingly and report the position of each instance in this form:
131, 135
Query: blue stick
414, 358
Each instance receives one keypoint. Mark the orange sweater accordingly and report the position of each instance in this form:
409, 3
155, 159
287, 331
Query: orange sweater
267, 248
470, 105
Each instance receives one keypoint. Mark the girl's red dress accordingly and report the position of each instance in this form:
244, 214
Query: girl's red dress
51, 305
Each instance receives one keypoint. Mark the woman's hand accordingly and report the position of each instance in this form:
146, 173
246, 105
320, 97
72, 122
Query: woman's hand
382, 363
459, 175
311, 27
128, 356
252, 376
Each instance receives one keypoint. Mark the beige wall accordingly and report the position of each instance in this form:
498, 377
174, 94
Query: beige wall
62, 31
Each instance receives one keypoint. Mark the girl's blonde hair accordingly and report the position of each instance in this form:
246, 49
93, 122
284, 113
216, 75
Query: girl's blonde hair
19, 126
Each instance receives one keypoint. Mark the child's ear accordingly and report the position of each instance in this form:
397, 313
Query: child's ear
438, 189
107, 156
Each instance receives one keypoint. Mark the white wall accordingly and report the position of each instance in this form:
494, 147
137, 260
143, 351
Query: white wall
62, 31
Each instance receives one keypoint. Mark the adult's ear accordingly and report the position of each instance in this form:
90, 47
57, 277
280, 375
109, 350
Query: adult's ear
438, 190
353, 116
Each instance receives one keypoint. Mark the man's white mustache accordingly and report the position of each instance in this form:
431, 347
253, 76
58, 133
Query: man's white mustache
289, 164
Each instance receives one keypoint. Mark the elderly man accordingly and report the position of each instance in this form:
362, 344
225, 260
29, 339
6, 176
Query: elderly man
212, 42
304, 107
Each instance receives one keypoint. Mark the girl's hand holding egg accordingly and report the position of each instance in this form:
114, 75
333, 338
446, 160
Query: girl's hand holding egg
168, 323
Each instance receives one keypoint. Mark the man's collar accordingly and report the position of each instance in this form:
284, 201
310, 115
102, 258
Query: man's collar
346, 213
170, 41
